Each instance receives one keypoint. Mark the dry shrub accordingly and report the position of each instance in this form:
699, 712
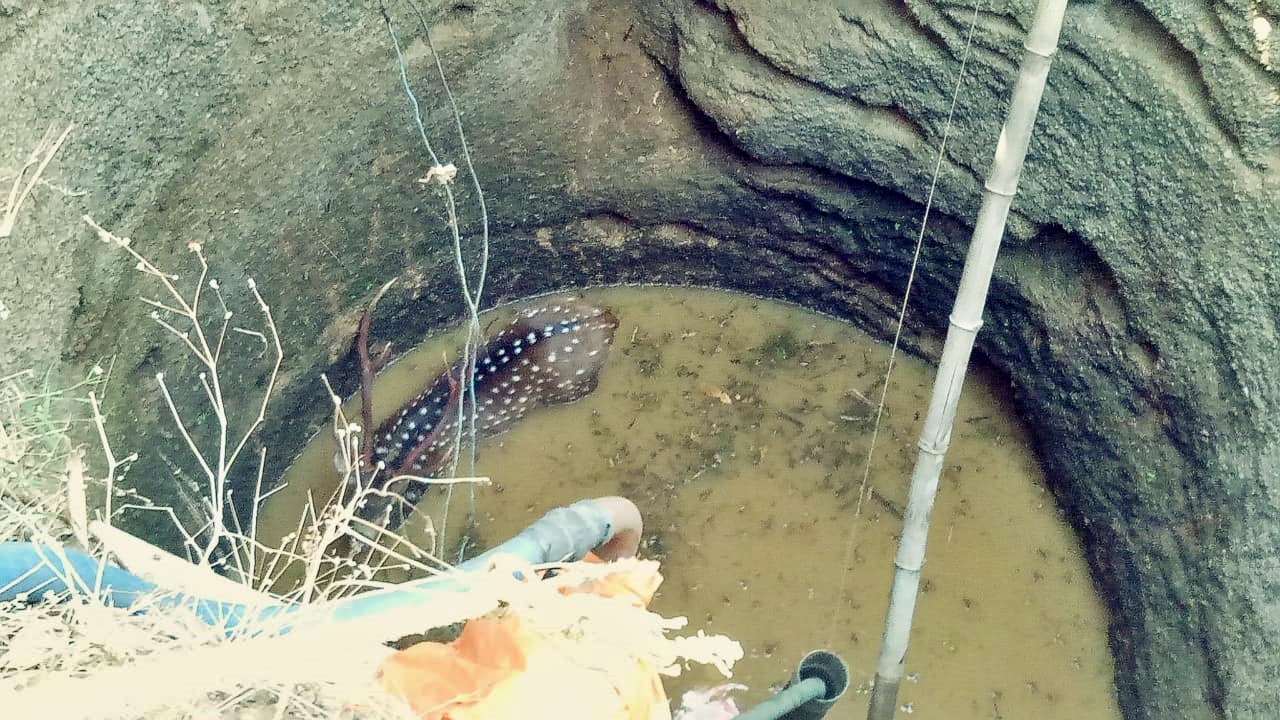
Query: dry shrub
81, 659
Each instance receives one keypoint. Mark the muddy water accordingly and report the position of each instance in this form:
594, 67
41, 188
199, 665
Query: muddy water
741, 428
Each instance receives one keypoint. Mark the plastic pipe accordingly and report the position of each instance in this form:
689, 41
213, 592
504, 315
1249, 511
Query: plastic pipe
625, 529
965, 321
819, 680
30, 571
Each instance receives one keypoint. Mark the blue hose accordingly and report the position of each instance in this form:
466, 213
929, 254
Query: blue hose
786, 701
31, 572
819, 680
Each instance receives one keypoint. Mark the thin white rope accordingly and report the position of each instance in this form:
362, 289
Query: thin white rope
467, 405
902, 314
473, 303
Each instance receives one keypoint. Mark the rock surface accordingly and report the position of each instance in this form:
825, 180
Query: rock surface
784, 149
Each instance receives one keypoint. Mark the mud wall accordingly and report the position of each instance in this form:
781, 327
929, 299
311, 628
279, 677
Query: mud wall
783, 149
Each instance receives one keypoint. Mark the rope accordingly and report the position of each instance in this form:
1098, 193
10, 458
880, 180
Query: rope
467, 406
902, 314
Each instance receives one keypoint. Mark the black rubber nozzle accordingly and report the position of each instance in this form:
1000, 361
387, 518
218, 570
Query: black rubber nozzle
834, 674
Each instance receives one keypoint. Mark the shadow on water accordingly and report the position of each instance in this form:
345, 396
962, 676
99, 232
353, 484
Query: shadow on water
740, 427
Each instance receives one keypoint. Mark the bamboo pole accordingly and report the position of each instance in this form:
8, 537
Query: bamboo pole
966, 319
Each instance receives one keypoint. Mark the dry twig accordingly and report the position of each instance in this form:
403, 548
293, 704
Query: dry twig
207, 349
36, 162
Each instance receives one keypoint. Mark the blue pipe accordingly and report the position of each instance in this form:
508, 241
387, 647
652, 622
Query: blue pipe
819, 680
31, 571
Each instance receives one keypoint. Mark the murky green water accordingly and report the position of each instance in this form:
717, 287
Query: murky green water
740, 427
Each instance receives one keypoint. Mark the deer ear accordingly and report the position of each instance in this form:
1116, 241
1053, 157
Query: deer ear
382, 356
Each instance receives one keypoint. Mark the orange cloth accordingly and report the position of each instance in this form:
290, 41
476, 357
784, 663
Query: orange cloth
498, 669
637, 586
433, 677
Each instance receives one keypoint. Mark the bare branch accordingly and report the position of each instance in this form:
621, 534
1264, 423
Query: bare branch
40, 158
